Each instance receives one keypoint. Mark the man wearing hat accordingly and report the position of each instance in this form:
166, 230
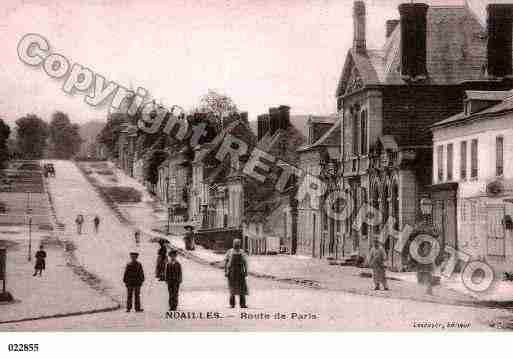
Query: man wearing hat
189, 238
133, 279
377, 259
173, 278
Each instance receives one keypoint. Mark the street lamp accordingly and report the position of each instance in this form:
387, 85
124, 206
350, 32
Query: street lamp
30, 234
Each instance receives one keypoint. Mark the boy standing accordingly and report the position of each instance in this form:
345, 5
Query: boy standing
173, 278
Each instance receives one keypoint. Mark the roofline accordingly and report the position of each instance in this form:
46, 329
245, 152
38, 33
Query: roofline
474, 117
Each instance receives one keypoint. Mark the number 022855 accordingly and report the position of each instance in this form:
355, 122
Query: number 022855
23, 347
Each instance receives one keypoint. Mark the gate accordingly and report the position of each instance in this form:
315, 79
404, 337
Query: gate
495, 241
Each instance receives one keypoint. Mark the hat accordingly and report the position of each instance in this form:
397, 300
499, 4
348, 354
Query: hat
173, 253
189, 226
134, 254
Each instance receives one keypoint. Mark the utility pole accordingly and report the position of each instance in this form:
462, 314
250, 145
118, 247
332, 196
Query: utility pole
29, 217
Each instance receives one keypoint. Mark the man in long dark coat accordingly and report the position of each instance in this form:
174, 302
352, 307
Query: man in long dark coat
236, 270
174, 279
189, 238
133, 279
377, 260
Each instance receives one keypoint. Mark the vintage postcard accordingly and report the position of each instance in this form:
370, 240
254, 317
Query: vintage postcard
256, 165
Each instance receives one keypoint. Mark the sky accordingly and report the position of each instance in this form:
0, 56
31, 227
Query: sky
262, 53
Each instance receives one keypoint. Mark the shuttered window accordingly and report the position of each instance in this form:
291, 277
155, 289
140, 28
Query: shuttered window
473, 159
499, 155
440, 162
463, 160
450, 160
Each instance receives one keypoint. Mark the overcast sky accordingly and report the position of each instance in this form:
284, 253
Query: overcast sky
262, 53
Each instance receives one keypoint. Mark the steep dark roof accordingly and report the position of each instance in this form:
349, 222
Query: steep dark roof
456, 52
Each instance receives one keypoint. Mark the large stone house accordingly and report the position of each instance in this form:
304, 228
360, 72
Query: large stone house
318, 235
271, 214
472, 190
388, 97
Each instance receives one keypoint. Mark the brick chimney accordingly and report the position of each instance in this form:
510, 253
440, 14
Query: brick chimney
413, 41
284, 117
359, 45
274, 119
391, 25
262, 126
500, 31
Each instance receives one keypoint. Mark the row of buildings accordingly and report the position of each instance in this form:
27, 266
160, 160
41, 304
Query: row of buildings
425, 115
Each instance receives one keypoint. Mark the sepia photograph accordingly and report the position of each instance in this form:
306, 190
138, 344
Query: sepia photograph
267, 166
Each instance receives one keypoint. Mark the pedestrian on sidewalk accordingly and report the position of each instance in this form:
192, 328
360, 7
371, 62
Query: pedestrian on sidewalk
96, 222
174, 279
425, 270
189, 238
79, 221
236, 270
133, 279
137, 237
160, 268
40, 261
377, 259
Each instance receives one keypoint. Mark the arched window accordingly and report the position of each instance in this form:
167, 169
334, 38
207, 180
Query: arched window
363, 133
356, 125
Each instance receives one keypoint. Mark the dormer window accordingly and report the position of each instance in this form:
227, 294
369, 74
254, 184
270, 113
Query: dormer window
467, 108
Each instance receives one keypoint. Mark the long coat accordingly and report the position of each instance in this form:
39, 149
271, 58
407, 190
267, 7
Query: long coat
40, 260
236, 270
134, 274
377, 260
160, 268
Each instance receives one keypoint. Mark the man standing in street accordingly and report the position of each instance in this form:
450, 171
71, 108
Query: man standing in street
40, 261
236, 271
173, 278
189, 238
133, 279
377, 260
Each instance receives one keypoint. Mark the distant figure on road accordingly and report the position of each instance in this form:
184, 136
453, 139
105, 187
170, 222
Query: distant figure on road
40, 261
236, 270
377, 260
137, 237
189, 238
79, 221
96, 222
160, 268
174, 279
133, 279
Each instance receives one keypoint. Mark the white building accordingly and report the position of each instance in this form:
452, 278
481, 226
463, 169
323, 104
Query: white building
473, 178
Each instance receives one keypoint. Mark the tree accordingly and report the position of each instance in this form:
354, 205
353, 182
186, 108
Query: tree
5, 132
109, 135
216, 105
32, 133
65, 137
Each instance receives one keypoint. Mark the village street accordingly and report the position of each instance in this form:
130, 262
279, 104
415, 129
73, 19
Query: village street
204, 291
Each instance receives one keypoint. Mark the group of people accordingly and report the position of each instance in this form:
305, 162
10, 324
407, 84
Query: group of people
169, 270
79, 221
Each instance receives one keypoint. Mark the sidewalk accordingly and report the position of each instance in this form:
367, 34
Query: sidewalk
315, 273
58, 292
